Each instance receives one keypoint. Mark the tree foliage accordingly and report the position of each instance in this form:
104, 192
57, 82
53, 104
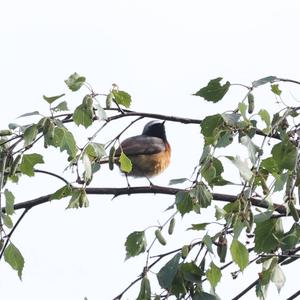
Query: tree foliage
248, 229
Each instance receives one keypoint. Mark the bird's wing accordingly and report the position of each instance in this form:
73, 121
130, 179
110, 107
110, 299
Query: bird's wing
141, 144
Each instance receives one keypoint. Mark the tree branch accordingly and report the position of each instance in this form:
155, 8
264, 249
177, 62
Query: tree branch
154, 189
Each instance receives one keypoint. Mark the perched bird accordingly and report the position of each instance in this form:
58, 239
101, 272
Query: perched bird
149, 152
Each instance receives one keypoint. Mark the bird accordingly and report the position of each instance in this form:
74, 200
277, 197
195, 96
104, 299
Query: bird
149, 153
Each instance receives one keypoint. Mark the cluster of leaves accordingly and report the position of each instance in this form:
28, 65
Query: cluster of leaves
262, 174
17, 140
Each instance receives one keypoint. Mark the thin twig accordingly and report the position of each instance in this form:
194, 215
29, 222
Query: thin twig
294, 296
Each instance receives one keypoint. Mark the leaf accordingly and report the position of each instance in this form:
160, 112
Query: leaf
7, 220
191, 272
167, 273
83, 114
240, 254
63, 192
265, 116
87, 167
202, 195
30, 134
210, 128
184, 202
78, 199
275, 89
177, 181
64, 139
270, 165
208, 243
122, 98
125, 163
50, 100
213, 275
214, 91
62, 106
291, 238
262, 217
285, 155
243, 108
14, 258
100, 112
145, 289
242, 166
135, 244
252, 148
9, 203
231, 119
29, 161
280, 181
95, 151
225, 139
33, 113
265, 236
278, 277
200, 226
268, 79
75, 82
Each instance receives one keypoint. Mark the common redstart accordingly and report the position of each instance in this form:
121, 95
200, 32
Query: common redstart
149, 152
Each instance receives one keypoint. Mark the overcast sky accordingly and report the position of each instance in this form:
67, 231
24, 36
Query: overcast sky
160, 52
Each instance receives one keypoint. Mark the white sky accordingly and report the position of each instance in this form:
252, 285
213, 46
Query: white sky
159, 51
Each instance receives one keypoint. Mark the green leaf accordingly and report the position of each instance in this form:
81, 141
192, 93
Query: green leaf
83, 114
242, 166
29, 161
285, 155
200, 226
178, 181
167, 273
75, 82
145, 289
212, 171
202, 194
243, 109
122, 98
14, 258
184, 202
268, 79
240, 254
214, 91
62, 106
291, 238
135, 244
213, 275
63, 192
208, 242
79, 199
225, 139
270, 165
30, 134
265, 116
33, 113
280, 181
7, 220
265, 236
64, 139
50, 100
264, 216
9, 203
125, 163
191, 272
95, 151
231, 119
275, 89
210, 128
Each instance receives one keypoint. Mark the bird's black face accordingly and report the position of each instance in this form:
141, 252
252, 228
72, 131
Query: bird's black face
155, 128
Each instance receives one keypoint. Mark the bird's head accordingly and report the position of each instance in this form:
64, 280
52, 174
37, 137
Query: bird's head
155, 128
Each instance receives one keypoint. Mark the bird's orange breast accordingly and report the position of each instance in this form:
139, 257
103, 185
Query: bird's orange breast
150, 165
